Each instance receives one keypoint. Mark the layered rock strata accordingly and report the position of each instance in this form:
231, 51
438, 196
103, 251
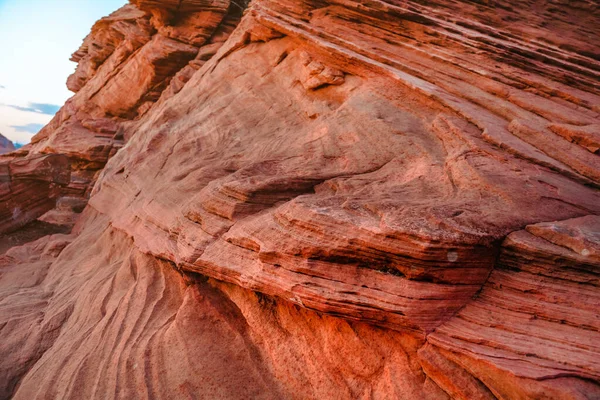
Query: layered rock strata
318, 200
29, 188
537, 315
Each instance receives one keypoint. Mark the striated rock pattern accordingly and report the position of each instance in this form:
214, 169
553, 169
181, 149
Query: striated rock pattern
537, 315
29, 187
317, 199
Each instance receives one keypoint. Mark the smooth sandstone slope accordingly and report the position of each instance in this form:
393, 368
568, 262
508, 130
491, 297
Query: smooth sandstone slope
316, 200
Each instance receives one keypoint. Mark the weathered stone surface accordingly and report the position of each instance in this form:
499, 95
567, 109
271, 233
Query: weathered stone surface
143, 75
537, 315
124, 66
190, 338
122, 32
336, 199
29, 188
366, 199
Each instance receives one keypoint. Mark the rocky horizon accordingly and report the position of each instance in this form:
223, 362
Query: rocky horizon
6, 146
340, 199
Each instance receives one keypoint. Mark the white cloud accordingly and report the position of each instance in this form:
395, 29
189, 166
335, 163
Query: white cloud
10, 118
37, 38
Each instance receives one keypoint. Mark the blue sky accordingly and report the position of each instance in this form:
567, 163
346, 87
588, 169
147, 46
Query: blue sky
37, 38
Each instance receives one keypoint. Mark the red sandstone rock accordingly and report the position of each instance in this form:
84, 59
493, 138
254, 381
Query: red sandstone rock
537, 315
320, 200
120, 33
29, 188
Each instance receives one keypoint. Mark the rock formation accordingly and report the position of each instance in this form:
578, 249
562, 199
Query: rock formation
6, 146
321, 199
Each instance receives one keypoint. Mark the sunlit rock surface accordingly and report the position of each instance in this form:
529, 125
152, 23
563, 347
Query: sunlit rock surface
311, 199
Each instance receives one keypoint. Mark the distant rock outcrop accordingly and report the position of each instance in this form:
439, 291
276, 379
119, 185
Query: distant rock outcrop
330, 199
6, 146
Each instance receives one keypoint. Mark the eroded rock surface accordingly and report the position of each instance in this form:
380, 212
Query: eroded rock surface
29, 187
537, 315
310, 199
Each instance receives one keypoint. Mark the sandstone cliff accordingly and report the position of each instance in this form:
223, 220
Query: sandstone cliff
319, 199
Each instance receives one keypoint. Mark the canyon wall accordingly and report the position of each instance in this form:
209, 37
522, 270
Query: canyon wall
319, 199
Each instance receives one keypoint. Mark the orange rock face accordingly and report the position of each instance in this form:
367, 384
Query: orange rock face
339, 199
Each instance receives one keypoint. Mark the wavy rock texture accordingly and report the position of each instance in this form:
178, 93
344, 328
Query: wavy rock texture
330, 199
